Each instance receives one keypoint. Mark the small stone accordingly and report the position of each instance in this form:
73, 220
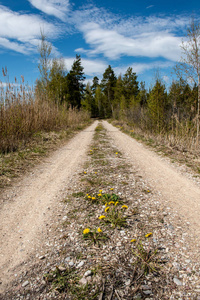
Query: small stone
177, 281
80, 264
147, 292
41, 257
62, 269
67, 259
71, 263
25, 283
128, 282
83, 281
88, 273
145, 287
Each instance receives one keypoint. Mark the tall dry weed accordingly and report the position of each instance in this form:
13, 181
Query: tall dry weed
23, 114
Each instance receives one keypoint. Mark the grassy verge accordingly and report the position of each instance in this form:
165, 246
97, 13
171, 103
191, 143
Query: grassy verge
114, 240
40, 144
177, 153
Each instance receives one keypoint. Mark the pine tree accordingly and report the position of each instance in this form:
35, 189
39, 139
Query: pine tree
157, 102
130, 86
74, 87
108, 84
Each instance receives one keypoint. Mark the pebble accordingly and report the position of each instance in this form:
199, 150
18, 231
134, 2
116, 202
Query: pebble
71, 263
80, 264
25, 283
88, 273
177, 281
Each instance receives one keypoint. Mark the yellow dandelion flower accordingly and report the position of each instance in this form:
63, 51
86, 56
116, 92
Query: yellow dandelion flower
124, 206
85, 172
107, 208
101, 217
99, 195
116, 153
106, 204
148, 234
116, 203
93, 198
95, 172
148, 191
100, 191
86, 231
111, 189
133, 240
111, 202
99, 230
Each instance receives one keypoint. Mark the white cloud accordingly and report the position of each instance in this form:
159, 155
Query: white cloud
114, 45
56, 8
91, 67
140, 68
21, 32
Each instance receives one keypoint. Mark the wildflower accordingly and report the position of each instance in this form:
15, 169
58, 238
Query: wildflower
86, 231
93, 198
107, 208
111, 189
116, 203
99, 195
89, 197
124, 206
111, 202
85, 172
100, 191
148, 191
101, 217
148, 234
106, 204
99, 230
95, 172
116, 153
133, 240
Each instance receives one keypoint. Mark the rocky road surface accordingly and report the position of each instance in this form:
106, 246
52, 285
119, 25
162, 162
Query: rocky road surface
31, 203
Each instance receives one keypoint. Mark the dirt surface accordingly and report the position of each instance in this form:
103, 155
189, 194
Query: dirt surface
173, 185
32, 202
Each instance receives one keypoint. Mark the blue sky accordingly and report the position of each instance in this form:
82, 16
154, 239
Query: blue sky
145, 35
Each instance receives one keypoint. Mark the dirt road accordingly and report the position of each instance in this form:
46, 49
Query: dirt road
23, 219
180, 192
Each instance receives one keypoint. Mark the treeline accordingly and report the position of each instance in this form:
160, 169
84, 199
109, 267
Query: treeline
171, 112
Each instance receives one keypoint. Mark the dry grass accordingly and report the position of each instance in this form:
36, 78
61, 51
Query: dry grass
22, 115
30, 127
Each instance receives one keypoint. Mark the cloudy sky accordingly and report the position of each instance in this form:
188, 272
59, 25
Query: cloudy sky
145, 35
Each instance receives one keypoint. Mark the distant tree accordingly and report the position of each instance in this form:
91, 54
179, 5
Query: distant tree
130, 86
190, 62
44, 65
74, 87
95, 84
57, 81
157, 102
108, 84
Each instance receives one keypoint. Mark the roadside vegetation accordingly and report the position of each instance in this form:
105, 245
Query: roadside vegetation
113, 239
60, 100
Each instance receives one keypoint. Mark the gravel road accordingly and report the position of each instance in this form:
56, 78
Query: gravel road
173, 186
32, 202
